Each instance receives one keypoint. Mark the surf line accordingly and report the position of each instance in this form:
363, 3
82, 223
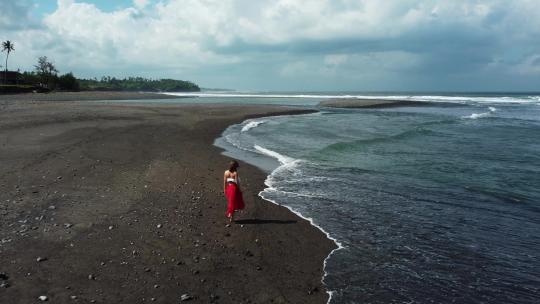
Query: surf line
288, 162
285, 162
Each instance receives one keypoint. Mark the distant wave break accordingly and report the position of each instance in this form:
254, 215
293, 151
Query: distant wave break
425, 98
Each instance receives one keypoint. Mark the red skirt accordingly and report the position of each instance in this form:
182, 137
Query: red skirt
235, 201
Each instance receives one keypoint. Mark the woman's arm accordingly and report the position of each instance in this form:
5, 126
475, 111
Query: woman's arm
224, 181
238, 181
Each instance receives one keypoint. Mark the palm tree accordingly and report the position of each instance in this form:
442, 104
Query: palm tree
7, 46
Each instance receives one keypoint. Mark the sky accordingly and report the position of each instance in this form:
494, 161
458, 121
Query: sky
285, 45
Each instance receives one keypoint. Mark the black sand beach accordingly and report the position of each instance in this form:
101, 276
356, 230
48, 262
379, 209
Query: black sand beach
122, 203
84, 96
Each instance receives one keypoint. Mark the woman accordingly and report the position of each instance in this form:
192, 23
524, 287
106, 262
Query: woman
231, 188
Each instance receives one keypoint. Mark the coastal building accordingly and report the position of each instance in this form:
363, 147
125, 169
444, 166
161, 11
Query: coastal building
10, 77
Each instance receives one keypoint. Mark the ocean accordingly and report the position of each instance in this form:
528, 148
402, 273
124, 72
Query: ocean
428, 204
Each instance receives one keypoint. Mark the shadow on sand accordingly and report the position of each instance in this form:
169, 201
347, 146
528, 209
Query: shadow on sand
258, 221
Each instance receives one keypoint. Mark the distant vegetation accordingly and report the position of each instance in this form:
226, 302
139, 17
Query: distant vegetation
45, 78
138, 84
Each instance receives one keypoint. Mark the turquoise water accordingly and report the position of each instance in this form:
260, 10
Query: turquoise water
431, 204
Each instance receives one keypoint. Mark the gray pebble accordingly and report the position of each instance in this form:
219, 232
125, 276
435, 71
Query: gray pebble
185, 297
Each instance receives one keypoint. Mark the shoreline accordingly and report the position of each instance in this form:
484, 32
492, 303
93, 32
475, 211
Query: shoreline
63, 124
338, 245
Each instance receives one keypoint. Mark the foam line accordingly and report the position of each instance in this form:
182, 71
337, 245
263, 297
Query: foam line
425, 98
283, 160
252, 124
285, 163
481, 115
310, 220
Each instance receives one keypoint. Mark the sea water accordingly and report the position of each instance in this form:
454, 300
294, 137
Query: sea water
431, 204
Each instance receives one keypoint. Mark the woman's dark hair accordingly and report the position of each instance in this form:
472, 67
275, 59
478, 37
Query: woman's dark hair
233, 165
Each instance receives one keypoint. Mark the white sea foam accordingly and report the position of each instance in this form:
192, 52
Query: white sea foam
295, 194
289, 163
230, 138
283, 160
252, 124
426, 98
286, 164
482, 115
310, 220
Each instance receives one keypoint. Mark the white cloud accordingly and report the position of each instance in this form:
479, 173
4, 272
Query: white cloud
65, 3
14, 15
335, 59
140, 4
165, 36
189, 36
295, 69
529, 66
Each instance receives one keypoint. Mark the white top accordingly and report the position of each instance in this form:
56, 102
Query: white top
232, 180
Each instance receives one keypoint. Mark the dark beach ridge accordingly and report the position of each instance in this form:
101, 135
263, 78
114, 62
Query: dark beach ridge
369, 103
111, 203
85, 96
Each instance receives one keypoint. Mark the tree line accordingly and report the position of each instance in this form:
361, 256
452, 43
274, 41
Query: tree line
45, 77
108, 83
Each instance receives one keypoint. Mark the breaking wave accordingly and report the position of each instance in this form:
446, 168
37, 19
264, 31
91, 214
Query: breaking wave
425, 98
252, 124
482, 115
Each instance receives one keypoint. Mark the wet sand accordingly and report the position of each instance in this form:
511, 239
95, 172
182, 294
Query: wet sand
123, 203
